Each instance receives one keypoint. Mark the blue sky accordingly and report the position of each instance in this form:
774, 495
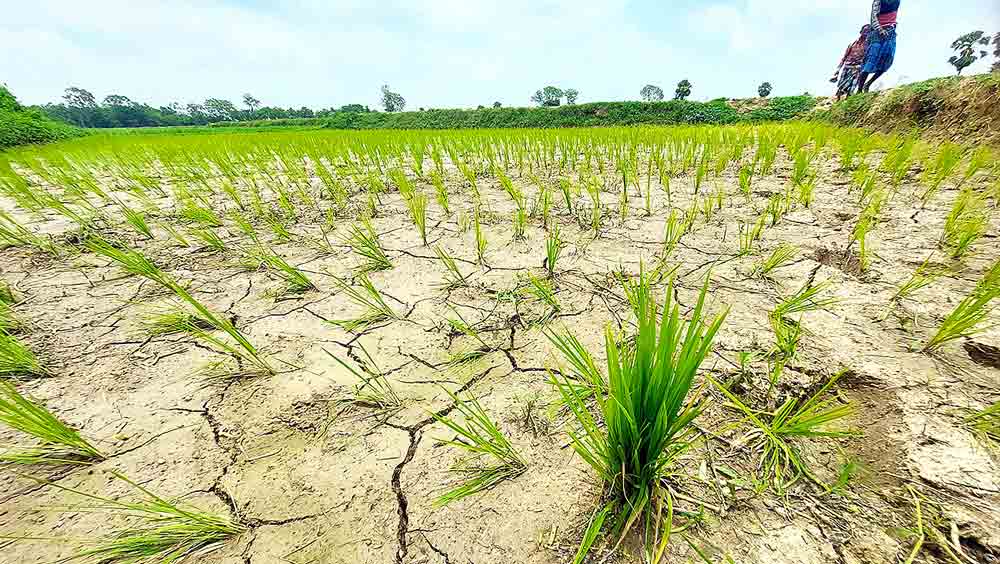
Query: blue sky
455, 53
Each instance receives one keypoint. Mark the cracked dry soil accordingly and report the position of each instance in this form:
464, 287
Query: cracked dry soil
316, 481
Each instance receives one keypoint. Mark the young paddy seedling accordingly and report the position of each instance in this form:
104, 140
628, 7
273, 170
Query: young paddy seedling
135, 262
781, 462
137, 220
492, 458
160, 530
966, 223
59, 443
553, 250
169, 319
16, 359
364, 241
672, 233
440, 191
986, 423
967, 317
646, 410
209, 238
541, 289
373, 389
453, 277
481, 242
369, 298
296, 282
417, 204
782, 255
922, 277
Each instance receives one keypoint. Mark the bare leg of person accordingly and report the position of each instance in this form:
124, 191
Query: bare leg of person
875, 77
861, 82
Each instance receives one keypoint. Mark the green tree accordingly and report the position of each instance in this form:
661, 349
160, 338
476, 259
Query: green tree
220, 110
7, 100
250, 102
354, 108
683, 90
548, 96
651, 93
82, 104
965, 46
571, 95
497, 105
392, 101
764, 90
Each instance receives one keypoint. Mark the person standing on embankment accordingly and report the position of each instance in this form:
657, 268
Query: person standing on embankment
881, 49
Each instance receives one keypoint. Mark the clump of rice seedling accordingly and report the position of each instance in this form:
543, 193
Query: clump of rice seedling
493, 459
166, 531
783, 254
566, 187
209, 238
373, 389
645, 409
13, 234
986, 422
136, 220
542, 290
923, 276
803, 300
781, 462
440, 191
949, 155
417, 204
60, 443
672, 233
16, 359
806, 189
519, 222
966, 223
364, 241
966, 319
135, 262
296, 281
745, 179
750, 235
481, 242
553, 249
463, 327
593, 187
170, 319
453, 276
202, 214
368, 297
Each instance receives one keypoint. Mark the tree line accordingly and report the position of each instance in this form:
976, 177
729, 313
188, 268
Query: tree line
79, 107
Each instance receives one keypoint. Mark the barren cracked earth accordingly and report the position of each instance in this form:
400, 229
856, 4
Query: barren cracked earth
316, 473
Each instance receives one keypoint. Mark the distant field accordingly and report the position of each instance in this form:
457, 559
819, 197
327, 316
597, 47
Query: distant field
437, 346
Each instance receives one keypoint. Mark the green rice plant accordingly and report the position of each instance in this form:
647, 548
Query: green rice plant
806, 189
296, 281
948, 157
16, 359
776, 208
136, 220
369, 298
745, 179
966, 223
364, 241
566, 187
417, 205
867, 220
782, 255
13, 234
165, 320
161, 530
979, 159
591, 533
481, 242
175, 234
440, 191
276, 223
781, 462
195, 213
453, 276
59, 443
593, 187
208, 238
492, 458
986, 423
542, 289
645, 411
967, 317
519, 222
373, 389
553, 250
461, 326
922, 277
672, 232
135, 262
750, 235
805, 299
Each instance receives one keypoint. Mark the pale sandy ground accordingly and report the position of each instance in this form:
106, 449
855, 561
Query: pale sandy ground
358, 487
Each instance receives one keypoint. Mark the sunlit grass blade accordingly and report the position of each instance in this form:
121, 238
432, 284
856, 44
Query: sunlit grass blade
60, 443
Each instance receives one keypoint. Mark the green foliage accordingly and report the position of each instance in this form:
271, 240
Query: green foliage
645, 410
683, 90
24, 126
764, 90
59, 442
965, 47
596, 114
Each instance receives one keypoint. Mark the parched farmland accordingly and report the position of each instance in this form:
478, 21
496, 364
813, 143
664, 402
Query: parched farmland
749, 344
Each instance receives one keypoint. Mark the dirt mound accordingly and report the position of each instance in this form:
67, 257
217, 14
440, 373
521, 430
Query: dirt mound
963, 109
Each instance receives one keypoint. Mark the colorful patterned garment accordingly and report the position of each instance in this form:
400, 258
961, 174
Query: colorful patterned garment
884, 14
850, 64
881, 50
848, 80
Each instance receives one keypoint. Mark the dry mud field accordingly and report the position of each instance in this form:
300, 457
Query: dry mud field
309, 466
